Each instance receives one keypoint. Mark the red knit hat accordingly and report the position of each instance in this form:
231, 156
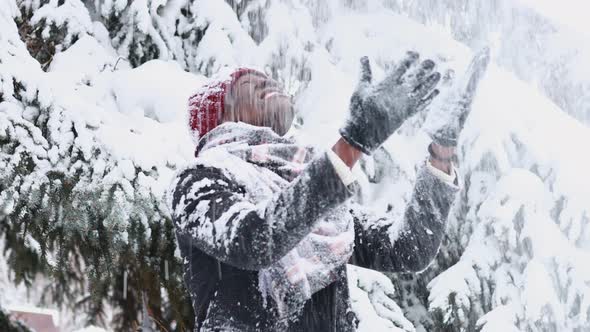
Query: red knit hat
206, 106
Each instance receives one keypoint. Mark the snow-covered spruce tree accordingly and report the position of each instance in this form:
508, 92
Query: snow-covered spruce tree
50, 26
519, 233
521, 266
203, 36
143, 30
551, 51
69, 209
289, 45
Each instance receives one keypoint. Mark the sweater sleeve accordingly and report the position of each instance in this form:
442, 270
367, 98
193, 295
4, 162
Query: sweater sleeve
421, 234
212, 211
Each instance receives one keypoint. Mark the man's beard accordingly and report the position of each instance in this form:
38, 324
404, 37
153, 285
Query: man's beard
279, 114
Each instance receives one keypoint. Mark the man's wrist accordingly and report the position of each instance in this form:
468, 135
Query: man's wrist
346, 152
449, 178
441, 157
445, 166
343, 171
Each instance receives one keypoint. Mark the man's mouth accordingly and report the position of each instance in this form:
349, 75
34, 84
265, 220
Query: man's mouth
270, 92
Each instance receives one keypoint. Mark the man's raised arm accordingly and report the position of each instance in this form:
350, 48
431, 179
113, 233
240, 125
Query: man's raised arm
210, 209
422, 230
434, 192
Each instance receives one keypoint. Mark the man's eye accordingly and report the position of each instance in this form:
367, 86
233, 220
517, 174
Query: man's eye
255, 84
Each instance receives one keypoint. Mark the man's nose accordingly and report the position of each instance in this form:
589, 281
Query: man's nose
268, 83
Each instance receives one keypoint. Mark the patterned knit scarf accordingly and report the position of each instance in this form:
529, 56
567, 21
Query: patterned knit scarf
312, 264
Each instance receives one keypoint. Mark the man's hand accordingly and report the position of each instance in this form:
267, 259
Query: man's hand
377, 111
456, 102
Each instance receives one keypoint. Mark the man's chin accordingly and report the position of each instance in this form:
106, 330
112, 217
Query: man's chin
280, 113
281, 130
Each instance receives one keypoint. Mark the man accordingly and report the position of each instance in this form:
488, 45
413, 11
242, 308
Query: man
266, 226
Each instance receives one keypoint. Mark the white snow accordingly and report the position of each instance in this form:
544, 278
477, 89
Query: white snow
157, 90
570, 13
372, 300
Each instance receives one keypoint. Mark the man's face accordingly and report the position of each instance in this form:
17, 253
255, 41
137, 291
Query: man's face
260, 101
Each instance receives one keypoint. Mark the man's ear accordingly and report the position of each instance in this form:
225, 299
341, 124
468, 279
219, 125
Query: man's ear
228, 107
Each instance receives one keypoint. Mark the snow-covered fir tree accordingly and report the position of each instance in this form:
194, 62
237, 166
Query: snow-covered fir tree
92, 102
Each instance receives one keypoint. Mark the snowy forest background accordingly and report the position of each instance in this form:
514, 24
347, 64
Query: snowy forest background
92, 128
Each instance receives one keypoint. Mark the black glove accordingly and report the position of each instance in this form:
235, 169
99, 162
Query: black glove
455, 104
378, 111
